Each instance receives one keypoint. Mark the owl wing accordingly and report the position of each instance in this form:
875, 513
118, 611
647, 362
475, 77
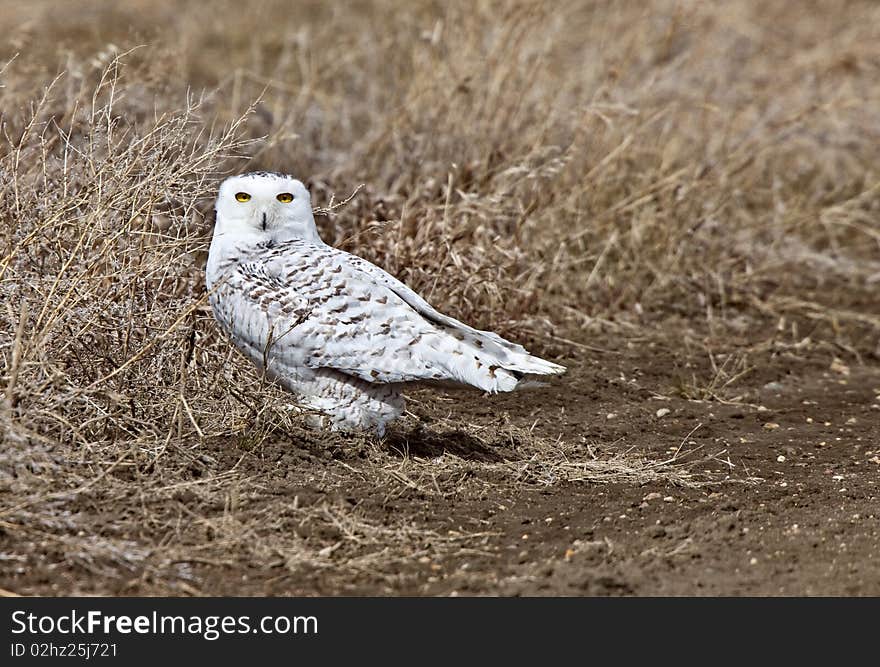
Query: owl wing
308, 305
325, 308
426, 310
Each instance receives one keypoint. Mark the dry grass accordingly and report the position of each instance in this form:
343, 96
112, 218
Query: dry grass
621, 168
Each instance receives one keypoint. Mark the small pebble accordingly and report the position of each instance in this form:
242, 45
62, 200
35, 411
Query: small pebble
770, 426
839, 367
662, 412
780, 459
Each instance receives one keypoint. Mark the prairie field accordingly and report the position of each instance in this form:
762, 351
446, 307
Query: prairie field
677, 200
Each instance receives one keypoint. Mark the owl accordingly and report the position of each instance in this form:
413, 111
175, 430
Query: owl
339, 333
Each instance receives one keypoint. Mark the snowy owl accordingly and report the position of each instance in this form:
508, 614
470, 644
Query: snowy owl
341, 334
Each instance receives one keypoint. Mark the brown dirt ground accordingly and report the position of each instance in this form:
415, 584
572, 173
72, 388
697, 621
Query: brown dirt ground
788, 507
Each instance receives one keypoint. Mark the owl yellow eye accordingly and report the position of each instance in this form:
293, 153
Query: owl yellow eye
242, 196
285, 197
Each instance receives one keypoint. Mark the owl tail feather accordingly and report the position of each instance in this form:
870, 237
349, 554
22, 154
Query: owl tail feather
493, 364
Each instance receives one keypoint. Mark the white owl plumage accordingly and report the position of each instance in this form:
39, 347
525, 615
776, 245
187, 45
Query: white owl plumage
338, 332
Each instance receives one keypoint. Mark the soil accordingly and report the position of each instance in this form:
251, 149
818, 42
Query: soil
789, 455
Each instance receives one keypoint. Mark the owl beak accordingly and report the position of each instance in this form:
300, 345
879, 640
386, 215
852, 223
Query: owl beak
264, 221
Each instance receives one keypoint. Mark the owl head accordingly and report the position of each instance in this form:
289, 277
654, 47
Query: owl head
264, 206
